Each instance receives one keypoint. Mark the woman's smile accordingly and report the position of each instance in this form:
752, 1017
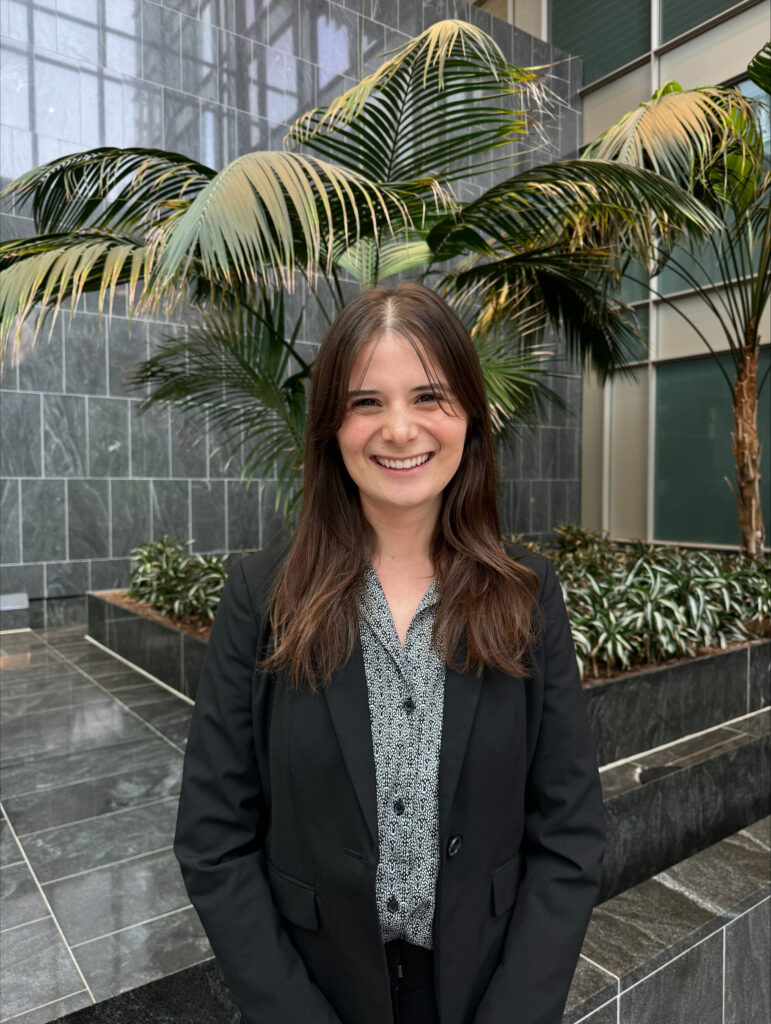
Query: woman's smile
404, 464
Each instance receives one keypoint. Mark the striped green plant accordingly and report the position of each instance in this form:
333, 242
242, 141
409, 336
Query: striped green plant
176, 582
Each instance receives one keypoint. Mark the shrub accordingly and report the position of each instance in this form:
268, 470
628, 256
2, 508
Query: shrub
176, 582
640, 603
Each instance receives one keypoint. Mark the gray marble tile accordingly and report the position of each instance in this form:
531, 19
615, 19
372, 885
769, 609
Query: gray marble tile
63, 731
760, 676
638, 930
51, 698
188, 449
43, 520
113, 897
9, 850
88, 518
78, 801
143, 953
41, 368
218, 134
36, 968
136, 692
56, 1010
243, 516
170, 717
127, 347
687, 989
142, 113
607, 1014
20, 451
82, 764
85, 355
122, 28
207, 505
160, 45
110, 573
130, 515
618, 780
758, 724
698, 747
150, 442
589, 989
747, 955
20, 899
64, 428
108, 437
200, 58
9, 521
103, 840
182, 123
67, 579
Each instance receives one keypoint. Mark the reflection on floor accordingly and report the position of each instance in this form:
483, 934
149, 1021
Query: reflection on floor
92, 899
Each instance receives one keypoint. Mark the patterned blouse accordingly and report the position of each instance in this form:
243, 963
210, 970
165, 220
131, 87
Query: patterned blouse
406, 701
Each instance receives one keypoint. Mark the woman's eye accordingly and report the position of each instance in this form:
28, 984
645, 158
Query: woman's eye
359, 402
428, 396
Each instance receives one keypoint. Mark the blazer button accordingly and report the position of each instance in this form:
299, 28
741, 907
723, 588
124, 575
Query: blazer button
454, 845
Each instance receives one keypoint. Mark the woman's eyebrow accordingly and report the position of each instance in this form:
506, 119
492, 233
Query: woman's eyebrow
361, 393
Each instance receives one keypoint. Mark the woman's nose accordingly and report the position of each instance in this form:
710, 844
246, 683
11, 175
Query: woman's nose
399, 426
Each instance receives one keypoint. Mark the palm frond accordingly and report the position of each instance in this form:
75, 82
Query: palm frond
369, 262
113, 189
238, 369
759, 68
514, 372
267, 213
411, 118
575, 203
678, 133
569, 291
48, 269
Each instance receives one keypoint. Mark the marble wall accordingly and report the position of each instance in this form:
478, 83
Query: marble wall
84, 476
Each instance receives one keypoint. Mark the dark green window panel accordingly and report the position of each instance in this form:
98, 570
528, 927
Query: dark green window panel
606, 34
692, 499
678, 16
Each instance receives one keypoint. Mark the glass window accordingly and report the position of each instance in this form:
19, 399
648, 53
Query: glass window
677, 16
694, 420
606, 34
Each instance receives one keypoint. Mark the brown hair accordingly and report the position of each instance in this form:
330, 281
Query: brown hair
486, 599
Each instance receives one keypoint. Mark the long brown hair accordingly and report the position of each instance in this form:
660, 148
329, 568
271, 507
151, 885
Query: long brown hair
484, 613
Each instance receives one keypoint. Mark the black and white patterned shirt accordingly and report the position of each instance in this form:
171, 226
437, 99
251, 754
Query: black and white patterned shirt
406, 701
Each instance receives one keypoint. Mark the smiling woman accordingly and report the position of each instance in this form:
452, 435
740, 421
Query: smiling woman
391, 809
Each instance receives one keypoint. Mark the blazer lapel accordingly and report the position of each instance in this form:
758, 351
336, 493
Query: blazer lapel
461, 695
348, 705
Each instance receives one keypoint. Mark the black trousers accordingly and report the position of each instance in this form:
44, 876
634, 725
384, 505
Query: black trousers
411, 972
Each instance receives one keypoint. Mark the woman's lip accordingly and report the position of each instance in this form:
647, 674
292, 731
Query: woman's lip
404, 458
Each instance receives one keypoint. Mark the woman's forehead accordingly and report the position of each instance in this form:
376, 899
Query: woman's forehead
392, 356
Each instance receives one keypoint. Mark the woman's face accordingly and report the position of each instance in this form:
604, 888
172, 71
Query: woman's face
399, 444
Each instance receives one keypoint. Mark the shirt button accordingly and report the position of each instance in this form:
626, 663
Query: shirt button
393, 904
399, 806
408, 704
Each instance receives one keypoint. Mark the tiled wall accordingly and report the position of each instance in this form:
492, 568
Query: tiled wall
85, 478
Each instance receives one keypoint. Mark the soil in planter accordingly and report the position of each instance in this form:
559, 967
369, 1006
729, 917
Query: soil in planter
195, 627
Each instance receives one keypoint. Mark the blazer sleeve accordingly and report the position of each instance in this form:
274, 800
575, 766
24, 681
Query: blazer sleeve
563, 844
221, 823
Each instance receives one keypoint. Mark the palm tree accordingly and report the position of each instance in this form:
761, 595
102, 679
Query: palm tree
730, 175
367, 188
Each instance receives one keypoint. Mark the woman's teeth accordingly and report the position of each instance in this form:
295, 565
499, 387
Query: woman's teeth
418, 460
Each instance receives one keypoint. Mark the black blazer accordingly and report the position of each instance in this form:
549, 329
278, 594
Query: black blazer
277, 830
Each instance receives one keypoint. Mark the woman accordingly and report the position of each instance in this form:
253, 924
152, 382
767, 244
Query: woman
390, 808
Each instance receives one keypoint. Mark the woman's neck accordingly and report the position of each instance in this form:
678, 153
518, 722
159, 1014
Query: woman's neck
403, 538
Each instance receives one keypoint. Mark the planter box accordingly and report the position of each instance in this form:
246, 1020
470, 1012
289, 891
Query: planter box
647, 709
174, 657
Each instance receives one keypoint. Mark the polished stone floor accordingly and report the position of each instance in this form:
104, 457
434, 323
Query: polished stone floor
91, 898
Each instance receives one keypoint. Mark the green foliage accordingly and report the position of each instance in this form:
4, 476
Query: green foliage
176, 582
644, 604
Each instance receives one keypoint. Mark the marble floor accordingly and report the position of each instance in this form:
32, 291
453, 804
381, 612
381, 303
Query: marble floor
91, 899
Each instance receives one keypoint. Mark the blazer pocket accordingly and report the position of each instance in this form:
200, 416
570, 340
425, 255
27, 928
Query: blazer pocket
295, 900
506, 880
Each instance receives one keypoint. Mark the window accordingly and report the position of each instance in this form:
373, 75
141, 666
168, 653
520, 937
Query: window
693, 501
678, 16
606, 34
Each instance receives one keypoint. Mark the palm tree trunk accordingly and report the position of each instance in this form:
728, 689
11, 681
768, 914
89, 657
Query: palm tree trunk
746, 448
